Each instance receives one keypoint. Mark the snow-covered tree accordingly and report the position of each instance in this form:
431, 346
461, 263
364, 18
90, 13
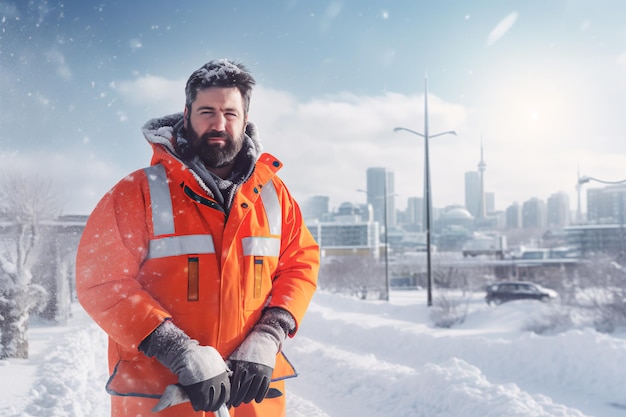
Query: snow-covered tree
359, 276
24, 203
55, 266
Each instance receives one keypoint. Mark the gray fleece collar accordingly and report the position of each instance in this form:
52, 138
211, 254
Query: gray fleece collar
161, 130
167, 130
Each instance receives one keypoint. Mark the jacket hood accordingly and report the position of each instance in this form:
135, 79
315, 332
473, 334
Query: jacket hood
167, 137
163, 130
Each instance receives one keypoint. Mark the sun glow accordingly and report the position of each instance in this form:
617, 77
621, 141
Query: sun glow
534, 115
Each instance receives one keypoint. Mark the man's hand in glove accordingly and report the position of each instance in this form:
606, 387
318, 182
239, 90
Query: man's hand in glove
201, 370
252, 363
250, 381
204, 376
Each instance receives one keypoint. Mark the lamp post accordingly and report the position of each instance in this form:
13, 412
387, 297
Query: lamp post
385, 196
427, 192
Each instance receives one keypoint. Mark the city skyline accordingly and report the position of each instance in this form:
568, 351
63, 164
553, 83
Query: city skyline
540, 84
553, 211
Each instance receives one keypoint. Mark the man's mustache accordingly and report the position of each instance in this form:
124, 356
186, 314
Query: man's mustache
215, 134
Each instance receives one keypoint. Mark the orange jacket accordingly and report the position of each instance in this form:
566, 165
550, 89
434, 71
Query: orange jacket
155, 249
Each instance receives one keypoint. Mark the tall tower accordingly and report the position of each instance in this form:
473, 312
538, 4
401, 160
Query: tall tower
579, 215
415, 212
380, 187
472, 192
557, 210
482, 210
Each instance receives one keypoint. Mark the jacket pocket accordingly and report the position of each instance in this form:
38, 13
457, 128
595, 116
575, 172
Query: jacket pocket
258, 276
260, 257
193, 279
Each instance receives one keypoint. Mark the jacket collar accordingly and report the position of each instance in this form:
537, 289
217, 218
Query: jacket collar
161, 132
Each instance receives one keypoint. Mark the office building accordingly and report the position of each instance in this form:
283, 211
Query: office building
472, 192
349, 232
316, 207
514, 216
558, 212
534, 214
490, 202
606, 205
415, 213
380, 187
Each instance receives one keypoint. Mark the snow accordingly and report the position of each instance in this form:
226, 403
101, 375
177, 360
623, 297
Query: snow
371, 358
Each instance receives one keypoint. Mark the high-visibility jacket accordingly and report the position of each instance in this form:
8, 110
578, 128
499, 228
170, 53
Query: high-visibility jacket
157, 247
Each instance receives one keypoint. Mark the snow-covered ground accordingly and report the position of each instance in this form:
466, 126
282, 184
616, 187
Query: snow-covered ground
370, 358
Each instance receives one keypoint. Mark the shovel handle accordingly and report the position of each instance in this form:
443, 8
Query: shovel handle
175, 394
222, 411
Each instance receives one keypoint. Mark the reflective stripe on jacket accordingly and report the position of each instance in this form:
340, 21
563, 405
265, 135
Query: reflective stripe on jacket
156, 247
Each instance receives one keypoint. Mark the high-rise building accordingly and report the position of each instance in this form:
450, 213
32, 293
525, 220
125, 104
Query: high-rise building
534, 214
380, 187
415, 212
490, 202
315, 207
558, 212
514, 216
472, 192
607, 205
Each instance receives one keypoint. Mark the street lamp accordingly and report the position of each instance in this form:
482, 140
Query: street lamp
585, 179
427, 193
385, 196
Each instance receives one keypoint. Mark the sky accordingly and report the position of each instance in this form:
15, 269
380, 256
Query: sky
541, 85
372, 358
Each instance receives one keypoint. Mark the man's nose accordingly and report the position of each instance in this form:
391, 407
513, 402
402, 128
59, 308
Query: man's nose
219, 123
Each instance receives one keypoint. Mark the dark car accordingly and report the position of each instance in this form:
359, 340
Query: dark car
518, 290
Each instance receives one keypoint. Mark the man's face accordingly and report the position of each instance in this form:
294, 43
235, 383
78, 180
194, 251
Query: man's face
215, 125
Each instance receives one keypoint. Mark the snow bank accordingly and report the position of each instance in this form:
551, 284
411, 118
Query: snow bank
370, 358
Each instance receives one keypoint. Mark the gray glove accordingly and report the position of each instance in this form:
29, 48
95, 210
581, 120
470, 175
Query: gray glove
252, 363
200, 369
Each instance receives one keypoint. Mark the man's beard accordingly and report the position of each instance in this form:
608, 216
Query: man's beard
215, 155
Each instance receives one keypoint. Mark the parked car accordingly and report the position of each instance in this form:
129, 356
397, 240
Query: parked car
502, 292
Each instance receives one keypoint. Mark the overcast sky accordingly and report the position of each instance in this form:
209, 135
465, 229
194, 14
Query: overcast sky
541, 83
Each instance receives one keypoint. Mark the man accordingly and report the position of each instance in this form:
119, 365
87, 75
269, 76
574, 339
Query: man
199, 266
